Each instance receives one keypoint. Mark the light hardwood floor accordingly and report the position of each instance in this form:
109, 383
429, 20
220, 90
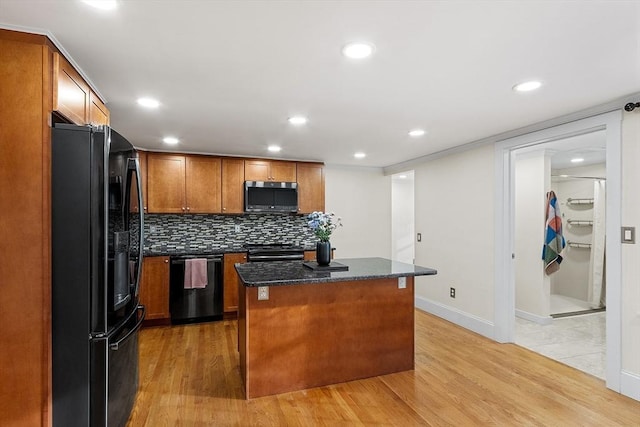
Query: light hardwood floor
189, 376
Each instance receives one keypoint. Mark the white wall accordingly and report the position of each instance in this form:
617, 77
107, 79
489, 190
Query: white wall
403, 218
532, 179
631, 253
362, 198
454, 200
455, 206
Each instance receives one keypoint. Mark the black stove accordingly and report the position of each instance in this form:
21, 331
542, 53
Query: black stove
261, 252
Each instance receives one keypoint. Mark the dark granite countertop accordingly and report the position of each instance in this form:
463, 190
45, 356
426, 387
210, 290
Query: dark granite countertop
293, 272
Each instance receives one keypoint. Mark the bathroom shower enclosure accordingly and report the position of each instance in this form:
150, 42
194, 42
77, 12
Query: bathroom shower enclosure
580, 286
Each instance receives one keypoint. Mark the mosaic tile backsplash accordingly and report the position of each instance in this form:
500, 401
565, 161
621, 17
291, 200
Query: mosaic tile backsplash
192, 233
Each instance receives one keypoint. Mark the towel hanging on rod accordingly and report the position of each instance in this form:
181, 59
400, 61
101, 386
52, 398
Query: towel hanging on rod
554, 242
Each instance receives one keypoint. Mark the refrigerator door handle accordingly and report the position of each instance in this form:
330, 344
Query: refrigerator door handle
136, 167
116, 345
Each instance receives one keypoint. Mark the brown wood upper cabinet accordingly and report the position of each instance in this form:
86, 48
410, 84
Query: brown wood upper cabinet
72, 96
183, 184
98, 113
70, 92
269, 170
232, 185
310, 177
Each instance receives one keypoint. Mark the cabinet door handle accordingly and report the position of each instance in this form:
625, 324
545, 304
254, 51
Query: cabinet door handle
188, 208
224, 209
183, 208
166, 261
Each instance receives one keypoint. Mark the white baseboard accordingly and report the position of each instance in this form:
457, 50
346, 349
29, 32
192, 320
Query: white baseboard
630, 385
460, 318
541, 320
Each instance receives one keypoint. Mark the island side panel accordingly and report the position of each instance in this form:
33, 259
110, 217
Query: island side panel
312, 335
242, 331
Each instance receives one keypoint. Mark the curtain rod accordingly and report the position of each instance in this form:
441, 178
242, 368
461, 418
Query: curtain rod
579, 177
631, 106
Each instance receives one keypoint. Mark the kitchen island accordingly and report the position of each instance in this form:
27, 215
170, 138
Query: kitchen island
300, 328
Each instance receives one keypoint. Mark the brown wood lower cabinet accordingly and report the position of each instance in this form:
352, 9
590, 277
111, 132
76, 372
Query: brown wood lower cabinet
231, 281
154, 290
316, 334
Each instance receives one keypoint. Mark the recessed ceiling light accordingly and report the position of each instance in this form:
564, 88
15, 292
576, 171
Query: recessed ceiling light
359, 155
527, 86
357, 50
148, 102
274, 148
170, 140
102, 4
577, 160
416, 133
297, 120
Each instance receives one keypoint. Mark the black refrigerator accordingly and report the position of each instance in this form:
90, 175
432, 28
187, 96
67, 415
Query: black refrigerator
97, 242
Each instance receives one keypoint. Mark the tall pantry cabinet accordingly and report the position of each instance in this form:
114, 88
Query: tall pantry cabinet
30, 69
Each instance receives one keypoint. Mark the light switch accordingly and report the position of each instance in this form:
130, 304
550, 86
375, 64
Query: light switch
628, 234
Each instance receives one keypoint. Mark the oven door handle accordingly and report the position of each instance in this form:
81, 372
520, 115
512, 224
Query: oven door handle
275, 257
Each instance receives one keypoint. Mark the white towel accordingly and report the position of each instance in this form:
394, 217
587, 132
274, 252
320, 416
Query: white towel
195, 273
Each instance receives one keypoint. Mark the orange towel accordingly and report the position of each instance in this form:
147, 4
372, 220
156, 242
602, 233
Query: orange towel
195, 273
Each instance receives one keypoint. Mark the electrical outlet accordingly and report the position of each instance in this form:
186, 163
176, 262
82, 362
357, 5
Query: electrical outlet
452, 292
402, 282
153, 229
236, 228
263, 293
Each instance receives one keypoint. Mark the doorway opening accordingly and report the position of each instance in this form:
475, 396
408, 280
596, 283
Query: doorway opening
402, 217
508, 253
549, 306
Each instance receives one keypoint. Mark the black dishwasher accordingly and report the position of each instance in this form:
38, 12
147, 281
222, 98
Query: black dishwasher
196, 305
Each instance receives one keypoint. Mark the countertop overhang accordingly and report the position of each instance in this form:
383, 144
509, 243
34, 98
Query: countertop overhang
278, 273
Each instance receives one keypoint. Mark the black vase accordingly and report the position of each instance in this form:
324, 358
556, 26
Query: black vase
323, 253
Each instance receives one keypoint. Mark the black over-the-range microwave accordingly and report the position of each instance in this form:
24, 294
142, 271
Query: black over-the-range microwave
270, 196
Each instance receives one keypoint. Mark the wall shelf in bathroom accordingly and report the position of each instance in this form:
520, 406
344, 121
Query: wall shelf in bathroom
580, 222
571, 201
579, 245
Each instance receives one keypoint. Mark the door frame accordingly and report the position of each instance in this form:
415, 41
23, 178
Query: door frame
504, 299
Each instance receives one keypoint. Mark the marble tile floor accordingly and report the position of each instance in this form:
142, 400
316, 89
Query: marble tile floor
577, 341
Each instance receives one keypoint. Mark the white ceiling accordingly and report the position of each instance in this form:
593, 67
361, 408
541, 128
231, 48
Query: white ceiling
229, 73
591, 147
